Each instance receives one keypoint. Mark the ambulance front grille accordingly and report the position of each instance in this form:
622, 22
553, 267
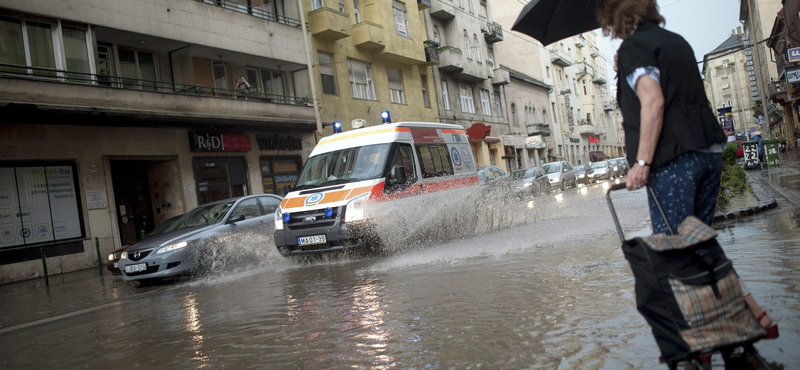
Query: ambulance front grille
311, 219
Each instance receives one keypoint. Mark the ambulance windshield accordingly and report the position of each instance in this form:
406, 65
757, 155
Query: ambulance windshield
343, 166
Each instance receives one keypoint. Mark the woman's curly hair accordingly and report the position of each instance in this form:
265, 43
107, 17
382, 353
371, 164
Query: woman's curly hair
618, 18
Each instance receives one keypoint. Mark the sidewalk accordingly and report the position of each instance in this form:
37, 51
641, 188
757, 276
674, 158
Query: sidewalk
768, 183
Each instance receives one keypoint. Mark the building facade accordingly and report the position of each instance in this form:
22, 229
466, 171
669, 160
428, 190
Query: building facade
119, 114
784, 92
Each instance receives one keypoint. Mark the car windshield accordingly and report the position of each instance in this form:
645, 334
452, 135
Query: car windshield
516, 175
342, 166
204, 215
164, 226
599, 165
551, 168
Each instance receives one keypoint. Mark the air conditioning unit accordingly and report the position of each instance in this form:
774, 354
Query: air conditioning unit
358, 123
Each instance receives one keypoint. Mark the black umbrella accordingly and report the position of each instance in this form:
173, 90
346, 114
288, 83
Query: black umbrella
551, 20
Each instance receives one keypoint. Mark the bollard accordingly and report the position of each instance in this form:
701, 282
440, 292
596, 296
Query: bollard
99, 260
44, 266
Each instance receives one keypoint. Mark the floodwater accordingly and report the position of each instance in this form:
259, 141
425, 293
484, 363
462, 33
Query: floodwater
541, 284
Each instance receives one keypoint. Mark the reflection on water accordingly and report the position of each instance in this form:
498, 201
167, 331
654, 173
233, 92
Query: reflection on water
194, 327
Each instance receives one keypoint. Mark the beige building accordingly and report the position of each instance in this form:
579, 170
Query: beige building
468, 80
579, 108
729, 84
115, 115
372, 56
758, 17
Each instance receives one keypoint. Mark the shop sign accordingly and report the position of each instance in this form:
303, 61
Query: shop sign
793, 76
508, 140
574, 140
279, 143
794, 55
535, 142
217, 142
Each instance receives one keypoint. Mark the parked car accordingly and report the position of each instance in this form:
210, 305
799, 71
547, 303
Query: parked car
584, 174
204, 239
530, 181
622, 166
493, 179
603, 170
561, 174
113, 258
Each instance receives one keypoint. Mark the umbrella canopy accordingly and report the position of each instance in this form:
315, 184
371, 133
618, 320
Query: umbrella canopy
551, 20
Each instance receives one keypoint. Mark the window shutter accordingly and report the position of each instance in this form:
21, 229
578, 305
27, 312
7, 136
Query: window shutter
325, 63
395, 78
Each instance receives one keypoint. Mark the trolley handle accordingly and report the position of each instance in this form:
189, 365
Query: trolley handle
622, 186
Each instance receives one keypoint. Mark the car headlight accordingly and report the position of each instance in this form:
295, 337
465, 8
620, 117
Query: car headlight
172, 247
581, 176
111, 257
124, 255
356, 209
279, 219
527, 184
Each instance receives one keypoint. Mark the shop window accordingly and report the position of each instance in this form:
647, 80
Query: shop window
220, 178
279, 172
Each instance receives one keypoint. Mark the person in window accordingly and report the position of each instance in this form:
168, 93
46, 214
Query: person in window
242, 86
673, 138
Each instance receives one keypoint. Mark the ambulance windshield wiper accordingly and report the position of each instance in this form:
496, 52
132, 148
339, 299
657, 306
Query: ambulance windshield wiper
337, 181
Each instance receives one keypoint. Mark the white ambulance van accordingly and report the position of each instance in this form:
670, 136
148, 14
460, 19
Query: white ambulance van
358, 178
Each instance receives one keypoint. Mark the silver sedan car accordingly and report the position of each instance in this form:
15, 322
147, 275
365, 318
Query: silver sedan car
201, 240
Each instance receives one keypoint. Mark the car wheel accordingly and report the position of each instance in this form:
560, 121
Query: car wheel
563, 186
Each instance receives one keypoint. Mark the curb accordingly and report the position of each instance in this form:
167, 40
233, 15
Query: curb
765, 202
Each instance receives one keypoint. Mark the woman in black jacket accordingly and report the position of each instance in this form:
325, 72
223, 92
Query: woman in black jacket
673, 139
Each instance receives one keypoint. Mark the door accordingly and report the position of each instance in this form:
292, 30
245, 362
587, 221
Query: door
132, 194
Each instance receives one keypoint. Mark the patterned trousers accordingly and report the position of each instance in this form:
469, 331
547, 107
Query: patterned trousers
686, 186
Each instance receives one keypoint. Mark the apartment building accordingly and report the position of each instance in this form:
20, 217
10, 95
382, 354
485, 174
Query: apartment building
729, 82
783, 108
579, 109
372, 56
115, 115
468, 80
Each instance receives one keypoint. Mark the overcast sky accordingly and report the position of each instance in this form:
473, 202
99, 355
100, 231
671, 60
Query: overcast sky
705, 24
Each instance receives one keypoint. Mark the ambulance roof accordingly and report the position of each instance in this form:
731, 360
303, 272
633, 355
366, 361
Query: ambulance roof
385, 133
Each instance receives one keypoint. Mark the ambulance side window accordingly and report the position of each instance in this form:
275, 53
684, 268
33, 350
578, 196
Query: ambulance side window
434, 160
402, 155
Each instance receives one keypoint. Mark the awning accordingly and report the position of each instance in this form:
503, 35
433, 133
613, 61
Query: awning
597, 156
490, 139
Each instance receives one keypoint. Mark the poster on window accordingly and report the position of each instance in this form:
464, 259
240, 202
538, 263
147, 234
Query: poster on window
38, 204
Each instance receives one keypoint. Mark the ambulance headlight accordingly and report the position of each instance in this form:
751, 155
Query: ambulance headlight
279, 218
356, 210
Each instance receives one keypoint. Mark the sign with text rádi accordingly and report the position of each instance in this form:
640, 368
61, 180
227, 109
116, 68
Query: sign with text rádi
217, 142
794, 55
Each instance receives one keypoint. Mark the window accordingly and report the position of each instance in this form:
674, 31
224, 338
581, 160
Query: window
497, 105
436, 36
341, 6
28, 43
326, 73
137, 69
514, 118
547, 69
490, 56
316, 4
357, 11
528, 119
477, 47
402, 155
220, 75
279, 172
401, 18
396, 94
425, 98
482, 12
445, 97
466, 45
486, 107
273, 82
434, 160
248, 208
467, 101
469, 4
361, 83
76, 53
584, 87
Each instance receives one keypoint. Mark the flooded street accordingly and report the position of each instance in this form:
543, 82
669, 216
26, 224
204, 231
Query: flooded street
543, 285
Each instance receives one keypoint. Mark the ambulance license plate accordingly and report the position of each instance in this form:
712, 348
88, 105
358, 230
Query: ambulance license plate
311, 240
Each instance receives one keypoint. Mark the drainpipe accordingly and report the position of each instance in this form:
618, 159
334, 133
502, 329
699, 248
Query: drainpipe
311, 76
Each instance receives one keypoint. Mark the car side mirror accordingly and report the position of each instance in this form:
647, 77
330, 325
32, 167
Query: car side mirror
236, 218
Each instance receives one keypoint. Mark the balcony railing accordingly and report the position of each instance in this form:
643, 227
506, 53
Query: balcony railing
538, 129
257, 12
560, 57
493, 32
124, 83
431, 51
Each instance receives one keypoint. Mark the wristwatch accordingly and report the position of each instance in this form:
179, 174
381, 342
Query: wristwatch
642, 163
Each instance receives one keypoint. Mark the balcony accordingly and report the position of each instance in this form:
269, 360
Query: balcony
442, 9
560, 57
329, 24
450, 58
493, 32
263, 11
113, 99
538, 129
608, 106
587, 129
423, 4
368, 36
584, 69
501, 77
599, 79
431, 52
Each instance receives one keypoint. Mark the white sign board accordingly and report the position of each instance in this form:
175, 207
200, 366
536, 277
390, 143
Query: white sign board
96, 199
794, 55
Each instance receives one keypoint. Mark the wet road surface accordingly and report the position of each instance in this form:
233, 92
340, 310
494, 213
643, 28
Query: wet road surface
543, 286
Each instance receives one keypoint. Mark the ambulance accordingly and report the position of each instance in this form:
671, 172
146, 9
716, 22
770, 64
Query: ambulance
358, 179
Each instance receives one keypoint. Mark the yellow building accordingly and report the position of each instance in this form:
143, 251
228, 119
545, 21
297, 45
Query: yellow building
370, 56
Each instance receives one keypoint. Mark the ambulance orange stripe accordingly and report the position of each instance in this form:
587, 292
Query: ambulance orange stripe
330, 197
